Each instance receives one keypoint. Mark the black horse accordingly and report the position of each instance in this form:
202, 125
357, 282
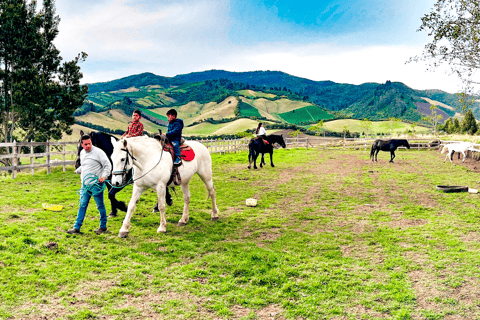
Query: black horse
104, 141
257, 147
387, 145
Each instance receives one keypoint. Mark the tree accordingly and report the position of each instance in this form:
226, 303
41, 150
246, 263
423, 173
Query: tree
456, 125
366, 124
469, 124
318, 128
38, 93
454, 27
413, 125
448, 126
392, 122
434, 118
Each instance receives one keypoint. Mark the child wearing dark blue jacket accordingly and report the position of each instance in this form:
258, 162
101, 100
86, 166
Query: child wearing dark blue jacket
174, 133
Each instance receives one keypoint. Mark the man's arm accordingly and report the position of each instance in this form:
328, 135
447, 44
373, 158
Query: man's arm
107, 167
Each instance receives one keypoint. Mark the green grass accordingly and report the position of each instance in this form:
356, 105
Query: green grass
333, 237
386, 127
154, 114
247, 110
308, 113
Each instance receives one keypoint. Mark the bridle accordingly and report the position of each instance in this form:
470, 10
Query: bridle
124, 172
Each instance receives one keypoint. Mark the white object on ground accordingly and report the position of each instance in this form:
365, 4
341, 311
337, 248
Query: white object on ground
251, 202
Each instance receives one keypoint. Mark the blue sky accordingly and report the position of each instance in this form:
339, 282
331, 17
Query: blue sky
342, 41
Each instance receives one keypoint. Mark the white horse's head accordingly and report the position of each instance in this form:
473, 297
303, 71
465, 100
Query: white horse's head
122, 160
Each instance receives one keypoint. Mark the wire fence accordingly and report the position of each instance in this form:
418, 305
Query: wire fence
22, 155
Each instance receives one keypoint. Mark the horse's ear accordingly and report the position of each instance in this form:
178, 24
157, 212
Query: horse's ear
81, 133
113, 140
125, 143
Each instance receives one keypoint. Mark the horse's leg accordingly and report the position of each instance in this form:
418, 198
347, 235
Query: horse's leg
262, 160
392, 155
463, 152
116, 205
271, 159
125, 229
376, 154
251, 155
161, 189
255, 155
168, 201
450, 156
206, 176
186, 203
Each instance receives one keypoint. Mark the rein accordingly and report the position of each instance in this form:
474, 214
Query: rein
124, 171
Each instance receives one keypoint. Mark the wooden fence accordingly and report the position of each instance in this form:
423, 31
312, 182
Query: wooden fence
17, 151
21, 150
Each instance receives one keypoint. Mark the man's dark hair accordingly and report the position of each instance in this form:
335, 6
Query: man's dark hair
85, 137
173, 112
138, 112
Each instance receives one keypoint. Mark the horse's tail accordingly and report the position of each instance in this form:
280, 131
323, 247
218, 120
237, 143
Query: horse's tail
250, 150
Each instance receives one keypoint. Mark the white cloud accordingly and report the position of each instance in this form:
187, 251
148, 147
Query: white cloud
122, 39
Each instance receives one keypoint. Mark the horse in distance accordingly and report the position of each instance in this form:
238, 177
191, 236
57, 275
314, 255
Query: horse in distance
387, 145
460, 147
256, 147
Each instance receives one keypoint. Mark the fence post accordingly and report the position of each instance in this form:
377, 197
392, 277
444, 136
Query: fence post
31, 158
48, 157
15, 160
306, 143
63, 143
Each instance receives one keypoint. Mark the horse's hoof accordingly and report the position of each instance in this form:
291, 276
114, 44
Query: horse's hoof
214, 218
122, 234
112, 214
162, 230
155, 209
249, 167
181, 224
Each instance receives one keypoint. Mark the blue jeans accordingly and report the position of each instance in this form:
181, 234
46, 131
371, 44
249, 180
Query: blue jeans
84, 200
176, 147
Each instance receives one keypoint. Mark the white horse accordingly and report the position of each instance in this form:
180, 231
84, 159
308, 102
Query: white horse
153, 168
457, 147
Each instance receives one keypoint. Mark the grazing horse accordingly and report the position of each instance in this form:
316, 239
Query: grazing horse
387, 145
104, 141
153, 169
461, 147
256, 147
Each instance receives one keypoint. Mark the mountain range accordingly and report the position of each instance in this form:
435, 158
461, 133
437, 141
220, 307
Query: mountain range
216, 96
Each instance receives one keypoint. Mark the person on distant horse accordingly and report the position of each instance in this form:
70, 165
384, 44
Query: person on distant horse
262, 134
174, 133
94, 163
135, 128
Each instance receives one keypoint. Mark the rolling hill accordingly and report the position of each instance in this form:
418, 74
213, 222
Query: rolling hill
216, 97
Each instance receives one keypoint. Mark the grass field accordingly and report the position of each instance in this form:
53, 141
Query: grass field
334, 237
308, 113
387, 127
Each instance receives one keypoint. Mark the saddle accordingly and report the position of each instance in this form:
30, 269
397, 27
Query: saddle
264, 141
186, 153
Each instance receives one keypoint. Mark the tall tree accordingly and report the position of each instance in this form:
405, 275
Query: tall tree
433, 118
38, 93
469, 124
454, 27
